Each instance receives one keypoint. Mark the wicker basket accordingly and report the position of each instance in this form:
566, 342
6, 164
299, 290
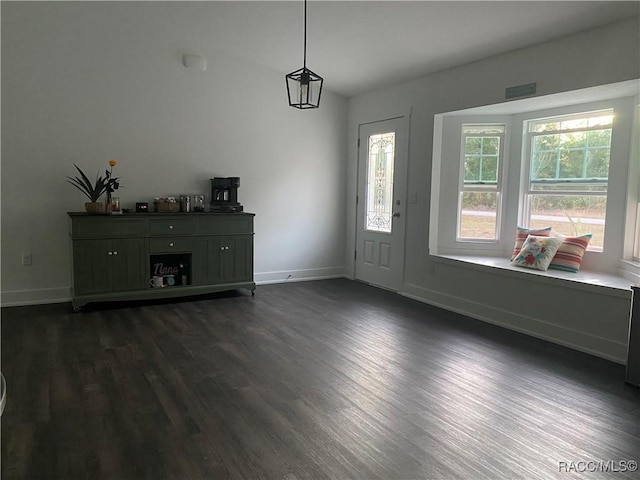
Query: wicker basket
167, 207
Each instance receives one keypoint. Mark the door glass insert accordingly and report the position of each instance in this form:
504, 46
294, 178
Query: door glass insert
380, 158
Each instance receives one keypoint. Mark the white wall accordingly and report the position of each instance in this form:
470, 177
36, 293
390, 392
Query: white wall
583, 320
85, 82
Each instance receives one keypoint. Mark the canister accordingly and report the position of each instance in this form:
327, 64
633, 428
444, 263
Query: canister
185, 203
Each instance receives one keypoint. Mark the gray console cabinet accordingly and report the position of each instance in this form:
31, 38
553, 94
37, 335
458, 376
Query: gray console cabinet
113, 255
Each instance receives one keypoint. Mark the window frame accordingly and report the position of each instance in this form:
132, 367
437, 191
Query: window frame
635, 254
527, 192
631, 253
480, 186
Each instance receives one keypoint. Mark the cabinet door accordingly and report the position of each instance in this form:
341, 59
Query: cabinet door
206, 266
91, 263
237, 259
128, 264
223, 259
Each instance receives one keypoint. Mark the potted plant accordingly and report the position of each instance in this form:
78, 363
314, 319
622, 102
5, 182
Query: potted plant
93, 191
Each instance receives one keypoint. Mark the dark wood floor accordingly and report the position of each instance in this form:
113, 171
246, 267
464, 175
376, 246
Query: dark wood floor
330, 379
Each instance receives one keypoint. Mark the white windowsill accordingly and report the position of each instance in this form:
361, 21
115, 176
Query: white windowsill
631, 270
595, 282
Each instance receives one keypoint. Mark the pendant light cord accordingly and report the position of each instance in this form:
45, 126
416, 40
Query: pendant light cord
304, 63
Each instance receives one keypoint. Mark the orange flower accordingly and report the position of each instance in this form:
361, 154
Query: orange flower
112, 163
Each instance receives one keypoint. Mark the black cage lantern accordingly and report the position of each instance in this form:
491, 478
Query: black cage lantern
303, 86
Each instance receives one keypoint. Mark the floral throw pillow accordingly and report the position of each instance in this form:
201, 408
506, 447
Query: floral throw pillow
523, 233
569, 255
537, 252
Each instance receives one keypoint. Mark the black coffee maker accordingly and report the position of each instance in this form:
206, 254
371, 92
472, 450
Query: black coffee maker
224, 194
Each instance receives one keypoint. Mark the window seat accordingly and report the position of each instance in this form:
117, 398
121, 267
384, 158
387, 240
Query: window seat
596, 282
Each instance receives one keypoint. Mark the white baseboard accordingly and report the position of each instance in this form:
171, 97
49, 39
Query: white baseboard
551, 332
19, 298
266, 278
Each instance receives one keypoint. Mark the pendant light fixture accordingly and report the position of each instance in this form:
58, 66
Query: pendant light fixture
303, 86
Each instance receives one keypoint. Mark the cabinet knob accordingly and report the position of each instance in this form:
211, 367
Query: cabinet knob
170, 227
171, 244
109, 253
221, 248
115, 253
226, 248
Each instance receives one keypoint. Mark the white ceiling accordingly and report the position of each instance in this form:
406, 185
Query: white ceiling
362, 45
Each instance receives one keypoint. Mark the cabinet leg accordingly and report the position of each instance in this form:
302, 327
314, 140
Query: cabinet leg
77, 305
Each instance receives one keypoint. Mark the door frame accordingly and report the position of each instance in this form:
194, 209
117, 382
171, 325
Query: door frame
405, 120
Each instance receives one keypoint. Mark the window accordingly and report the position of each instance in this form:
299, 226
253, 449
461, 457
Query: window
560, 162
568, 172
633, 190
636, 245
479, 192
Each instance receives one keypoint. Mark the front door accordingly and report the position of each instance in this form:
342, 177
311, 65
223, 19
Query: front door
382, 178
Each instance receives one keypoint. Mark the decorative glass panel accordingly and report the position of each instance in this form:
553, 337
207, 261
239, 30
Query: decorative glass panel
379, 204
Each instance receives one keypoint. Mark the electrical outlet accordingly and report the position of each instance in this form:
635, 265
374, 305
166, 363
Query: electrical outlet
27, 260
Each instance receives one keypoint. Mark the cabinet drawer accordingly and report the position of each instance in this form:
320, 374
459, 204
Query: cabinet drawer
104, 226
221, 224
171, 226
170, 244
